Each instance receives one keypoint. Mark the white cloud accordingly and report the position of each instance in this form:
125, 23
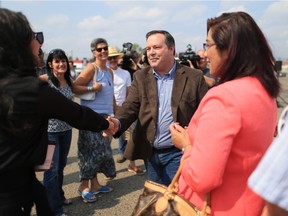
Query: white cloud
138, 13
73, 25
275, 28
95, 22
56, 20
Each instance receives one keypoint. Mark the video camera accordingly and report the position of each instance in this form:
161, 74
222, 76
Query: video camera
144, 58
126, 62
190, 55
127, 47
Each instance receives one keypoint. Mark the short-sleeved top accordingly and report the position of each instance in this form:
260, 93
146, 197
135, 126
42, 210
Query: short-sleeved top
122, 80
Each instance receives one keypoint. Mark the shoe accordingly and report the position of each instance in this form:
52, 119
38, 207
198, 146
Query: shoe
108, 178
87, 196
67, 201
63, 214
103, 189
136, 170
121, 159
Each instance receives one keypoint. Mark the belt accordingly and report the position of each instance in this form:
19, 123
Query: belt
173, 148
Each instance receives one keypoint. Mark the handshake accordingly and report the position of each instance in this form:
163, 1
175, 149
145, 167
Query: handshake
114, 125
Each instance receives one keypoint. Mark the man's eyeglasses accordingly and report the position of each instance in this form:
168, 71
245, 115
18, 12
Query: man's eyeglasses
39, 37
206, 46
113, 57
101, 48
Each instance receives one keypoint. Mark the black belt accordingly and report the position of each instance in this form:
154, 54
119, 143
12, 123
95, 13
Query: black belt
172, 148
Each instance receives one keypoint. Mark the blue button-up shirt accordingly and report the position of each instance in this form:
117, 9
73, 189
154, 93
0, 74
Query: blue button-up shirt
165, 118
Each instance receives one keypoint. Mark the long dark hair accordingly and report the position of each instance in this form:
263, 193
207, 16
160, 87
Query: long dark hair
16, 56
58, 54
16, 61
247, 49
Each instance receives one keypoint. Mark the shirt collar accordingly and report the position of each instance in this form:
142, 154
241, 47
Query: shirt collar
170, 72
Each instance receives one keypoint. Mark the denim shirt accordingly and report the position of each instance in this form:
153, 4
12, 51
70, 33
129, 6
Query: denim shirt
165, 118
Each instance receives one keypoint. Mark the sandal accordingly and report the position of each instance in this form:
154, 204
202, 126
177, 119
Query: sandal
108, 178
87, 196
136, 170
103, 189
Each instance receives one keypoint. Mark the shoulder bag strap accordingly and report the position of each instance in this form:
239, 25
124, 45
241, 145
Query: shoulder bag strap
111, 73
173, 187
95, 71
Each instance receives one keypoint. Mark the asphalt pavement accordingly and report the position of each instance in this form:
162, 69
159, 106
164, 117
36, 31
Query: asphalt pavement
126, 186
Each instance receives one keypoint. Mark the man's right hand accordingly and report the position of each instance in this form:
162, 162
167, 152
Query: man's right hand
111, 131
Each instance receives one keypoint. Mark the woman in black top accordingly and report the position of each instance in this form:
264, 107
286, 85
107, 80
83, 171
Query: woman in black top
26, 104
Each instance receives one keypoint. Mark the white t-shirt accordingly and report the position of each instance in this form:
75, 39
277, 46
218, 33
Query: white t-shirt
122, 80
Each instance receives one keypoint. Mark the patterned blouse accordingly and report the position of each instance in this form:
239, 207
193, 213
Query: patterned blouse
56, 125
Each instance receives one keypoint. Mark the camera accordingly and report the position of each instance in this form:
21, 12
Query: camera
127, 47
127, 54
127, 59
190, 55
144, 58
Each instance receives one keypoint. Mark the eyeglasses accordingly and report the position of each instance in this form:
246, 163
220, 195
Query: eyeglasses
113, 57
101, 48
206, 46
39, 37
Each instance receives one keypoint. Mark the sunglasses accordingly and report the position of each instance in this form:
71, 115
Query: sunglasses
39, 37
113, 57
102, 48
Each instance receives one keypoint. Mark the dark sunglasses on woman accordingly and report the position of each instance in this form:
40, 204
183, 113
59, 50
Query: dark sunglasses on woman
39, 37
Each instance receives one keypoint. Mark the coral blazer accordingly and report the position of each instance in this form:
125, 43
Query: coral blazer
230, 131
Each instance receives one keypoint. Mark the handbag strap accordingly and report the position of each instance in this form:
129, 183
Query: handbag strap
95, 71
173, 187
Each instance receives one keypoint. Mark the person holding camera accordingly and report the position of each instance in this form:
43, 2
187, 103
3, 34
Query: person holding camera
144, 60
202, 64
161, 94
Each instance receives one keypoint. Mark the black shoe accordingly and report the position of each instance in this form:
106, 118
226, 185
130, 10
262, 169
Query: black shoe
121, 159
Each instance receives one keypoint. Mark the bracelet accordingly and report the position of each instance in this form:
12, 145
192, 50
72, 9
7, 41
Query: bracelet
89, 88
184, 147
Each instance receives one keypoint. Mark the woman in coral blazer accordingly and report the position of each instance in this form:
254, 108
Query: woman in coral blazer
235, 121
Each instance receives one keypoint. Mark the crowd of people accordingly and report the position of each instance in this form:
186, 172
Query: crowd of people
218, 121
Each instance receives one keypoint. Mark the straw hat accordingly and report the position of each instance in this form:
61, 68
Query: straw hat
114, 52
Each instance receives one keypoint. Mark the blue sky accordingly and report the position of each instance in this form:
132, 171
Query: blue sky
72, 25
